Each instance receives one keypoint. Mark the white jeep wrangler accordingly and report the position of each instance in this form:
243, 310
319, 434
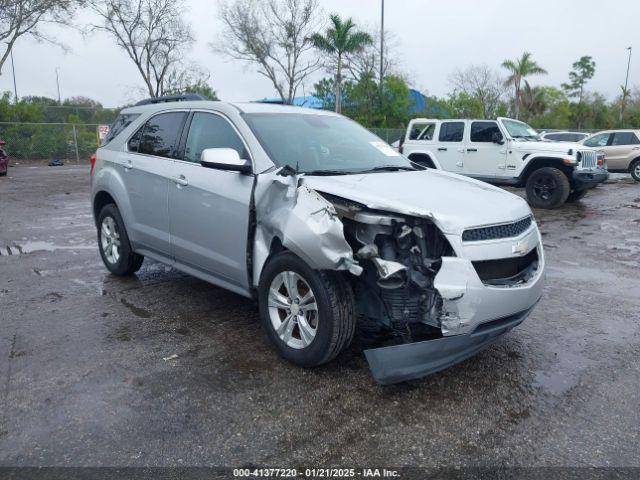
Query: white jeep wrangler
506, 152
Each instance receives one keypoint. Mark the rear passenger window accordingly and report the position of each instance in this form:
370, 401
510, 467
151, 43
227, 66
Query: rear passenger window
451, 132
483, 131
160, 134
211, 131
624, 138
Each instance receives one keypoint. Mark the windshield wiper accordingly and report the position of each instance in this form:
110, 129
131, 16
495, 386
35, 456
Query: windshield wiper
389, 168
320, 173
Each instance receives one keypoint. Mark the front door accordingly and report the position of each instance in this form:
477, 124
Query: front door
483, 156
209, 209
450, 148
146, 168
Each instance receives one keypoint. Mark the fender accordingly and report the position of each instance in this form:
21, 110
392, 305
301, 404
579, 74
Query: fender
108, 180
537, 160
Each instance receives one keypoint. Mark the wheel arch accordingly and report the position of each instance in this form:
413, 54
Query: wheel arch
542, 162
630, 167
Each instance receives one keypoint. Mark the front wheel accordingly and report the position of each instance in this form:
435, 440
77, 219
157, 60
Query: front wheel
547, 187
635, 170
114, 245
308, 315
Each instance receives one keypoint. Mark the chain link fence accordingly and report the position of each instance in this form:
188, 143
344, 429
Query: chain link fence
49, 141
389, 135
76, 142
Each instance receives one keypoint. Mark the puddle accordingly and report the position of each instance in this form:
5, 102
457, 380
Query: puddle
137, 311
39, 246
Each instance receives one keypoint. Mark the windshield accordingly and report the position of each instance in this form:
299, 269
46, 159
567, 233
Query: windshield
520, 129
322, 144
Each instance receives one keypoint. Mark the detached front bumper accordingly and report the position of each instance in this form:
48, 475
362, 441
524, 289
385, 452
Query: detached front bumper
399, 363
588, 178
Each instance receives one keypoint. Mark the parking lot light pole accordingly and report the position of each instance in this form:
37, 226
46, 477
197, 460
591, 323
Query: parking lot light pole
381, 52
13, 70
626, 84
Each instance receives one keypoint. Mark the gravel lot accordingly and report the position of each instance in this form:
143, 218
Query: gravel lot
85, 379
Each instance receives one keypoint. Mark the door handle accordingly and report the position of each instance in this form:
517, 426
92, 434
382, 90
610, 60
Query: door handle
442, 149
180, 180
459, 164
472, 149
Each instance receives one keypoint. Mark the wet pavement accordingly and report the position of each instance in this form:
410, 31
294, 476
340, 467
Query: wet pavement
164, 369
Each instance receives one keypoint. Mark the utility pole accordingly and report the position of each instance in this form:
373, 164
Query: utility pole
13, 69
626, 84
381, 51
58, 83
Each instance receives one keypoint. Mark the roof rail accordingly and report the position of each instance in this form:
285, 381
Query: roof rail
171, 98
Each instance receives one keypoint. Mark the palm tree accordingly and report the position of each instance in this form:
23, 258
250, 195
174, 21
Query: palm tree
339, 39
518, 70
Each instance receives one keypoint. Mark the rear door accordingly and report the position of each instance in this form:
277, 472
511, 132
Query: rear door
450, 148
621, 149
483, 157
146, 171
209, 209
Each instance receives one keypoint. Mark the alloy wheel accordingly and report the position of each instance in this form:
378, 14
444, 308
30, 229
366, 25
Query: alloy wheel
544, 187
110, 240
293, 310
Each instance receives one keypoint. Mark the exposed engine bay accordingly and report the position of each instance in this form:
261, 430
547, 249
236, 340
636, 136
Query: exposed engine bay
400, 256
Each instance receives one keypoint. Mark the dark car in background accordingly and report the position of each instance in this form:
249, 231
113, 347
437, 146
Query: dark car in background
4, 159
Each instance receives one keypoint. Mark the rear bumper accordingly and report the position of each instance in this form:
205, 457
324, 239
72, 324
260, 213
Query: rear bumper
399, 363
586, 179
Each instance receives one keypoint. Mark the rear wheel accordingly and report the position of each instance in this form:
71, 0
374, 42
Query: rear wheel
576, 195
635, 169
547, 187
308, 315
114, 245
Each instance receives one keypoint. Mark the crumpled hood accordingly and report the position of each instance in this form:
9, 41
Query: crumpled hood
547, 146
454, 202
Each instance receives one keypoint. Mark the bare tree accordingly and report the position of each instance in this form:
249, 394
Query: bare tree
151, 32
366, 62
25, 17
275, 36
482, 83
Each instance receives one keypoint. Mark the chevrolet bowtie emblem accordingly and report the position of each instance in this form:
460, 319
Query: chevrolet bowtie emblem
520, 248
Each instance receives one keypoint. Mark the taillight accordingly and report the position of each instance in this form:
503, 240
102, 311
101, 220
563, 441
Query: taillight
92, 160
600, 161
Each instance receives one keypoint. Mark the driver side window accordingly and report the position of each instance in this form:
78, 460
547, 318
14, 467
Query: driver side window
209, 130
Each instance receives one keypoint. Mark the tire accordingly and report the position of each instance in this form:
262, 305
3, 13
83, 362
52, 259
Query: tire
3, 174
634, 169
547, 187
121, 261
333, 318
576, 195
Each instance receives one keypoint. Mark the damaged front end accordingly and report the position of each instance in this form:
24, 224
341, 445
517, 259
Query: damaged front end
434, 308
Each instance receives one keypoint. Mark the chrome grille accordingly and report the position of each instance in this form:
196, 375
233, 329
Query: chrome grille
505, 230
587, 159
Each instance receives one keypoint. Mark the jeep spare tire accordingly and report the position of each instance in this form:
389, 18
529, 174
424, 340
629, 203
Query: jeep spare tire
547, 188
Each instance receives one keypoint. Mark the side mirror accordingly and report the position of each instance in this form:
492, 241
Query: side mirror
224, 159
497, 138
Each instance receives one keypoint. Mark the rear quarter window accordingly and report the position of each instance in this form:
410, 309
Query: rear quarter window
121, 122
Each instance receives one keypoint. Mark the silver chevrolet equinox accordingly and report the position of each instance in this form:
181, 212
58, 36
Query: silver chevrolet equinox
324, 224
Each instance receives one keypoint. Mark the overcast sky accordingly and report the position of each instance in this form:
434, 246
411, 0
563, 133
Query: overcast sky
434, 39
